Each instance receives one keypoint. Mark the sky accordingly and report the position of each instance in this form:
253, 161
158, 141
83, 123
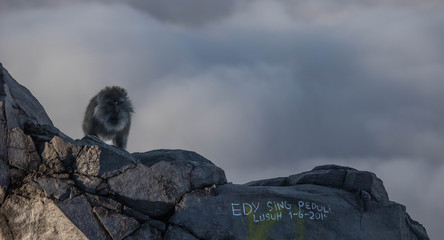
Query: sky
261, 88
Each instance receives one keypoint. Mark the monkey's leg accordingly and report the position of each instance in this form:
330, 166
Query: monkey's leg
120, 140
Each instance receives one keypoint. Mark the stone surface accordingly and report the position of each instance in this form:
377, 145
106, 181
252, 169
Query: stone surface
102, 162
80, 213
117, 225
19, 104
5, 232
54, 187
38, 218
178, 233
203, 173
58, 155
302, 211
145, 232
21, 151
4, 179
4, 167
87, 183
101, 201
59, 189
342, 177
152, 190
333, 176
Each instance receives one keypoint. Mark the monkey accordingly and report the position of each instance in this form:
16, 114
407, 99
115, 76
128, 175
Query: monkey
108, 116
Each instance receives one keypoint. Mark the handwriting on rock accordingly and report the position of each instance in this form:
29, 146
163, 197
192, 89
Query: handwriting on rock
276, 210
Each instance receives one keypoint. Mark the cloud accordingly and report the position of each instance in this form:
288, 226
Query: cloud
350, 90
261, 88
194, 12
190, 13
204, 12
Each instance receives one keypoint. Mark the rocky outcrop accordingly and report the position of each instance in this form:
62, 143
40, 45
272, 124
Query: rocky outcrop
54, 187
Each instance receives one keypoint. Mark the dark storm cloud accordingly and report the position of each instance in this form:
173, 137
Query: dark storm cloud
190, 12
203, 12
338, 100
10, 5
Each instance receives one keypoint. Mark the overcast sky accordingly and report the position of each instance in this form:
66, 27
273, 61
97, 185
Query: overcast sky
261, 88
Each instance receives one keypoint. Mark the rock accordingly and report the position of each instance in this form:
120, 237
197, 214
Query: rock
38, 217
155, 190
100, 201
279, 181
333, 176
30, 190
19, 105
80, 213
4, 179
145, 232
4, 167
165, 176
5, 232
54, 187
102, 162
21, 151
59, 189
343, 177
117, 225
87, 183
59, 155
178, 233
301, 211
50, 160
158, 225
204, 172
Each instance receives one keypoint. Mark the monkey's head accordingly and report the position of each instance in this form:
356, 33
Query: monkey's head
113, 108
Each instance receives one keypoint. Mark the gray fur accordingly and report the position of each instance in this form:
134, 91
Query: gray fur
108, 116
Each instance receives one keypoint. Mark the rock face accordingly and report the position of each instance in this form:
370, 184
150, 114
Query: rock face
54, 187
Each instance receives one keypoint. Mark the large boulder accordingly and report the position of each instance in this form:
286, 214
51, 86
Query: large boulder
54, 187
325, 203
